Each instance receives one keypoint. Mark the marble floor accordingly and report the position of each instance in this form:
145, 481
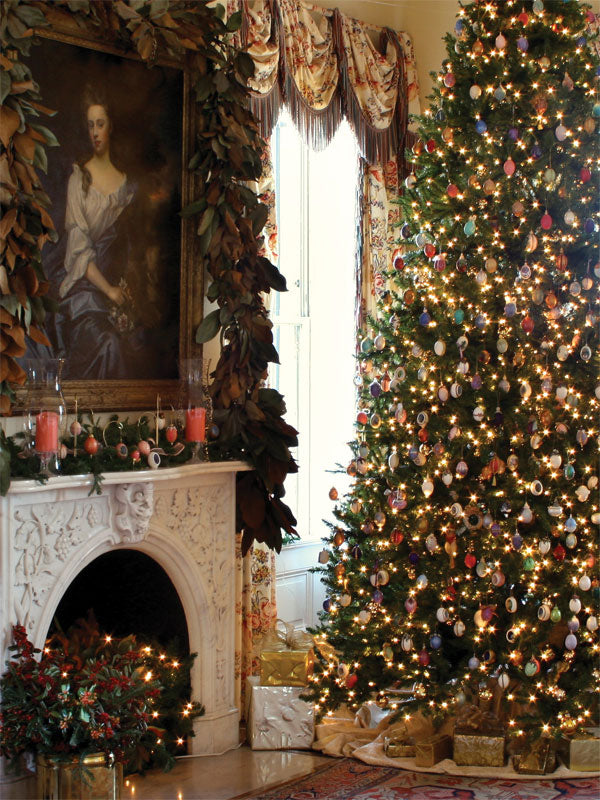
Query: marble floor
206, 777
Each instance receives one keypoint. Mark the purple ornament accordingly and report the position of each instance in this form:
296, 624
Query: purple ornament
573, 624
522, 44
377, 596
413, 452
410, 604
425, 318
513, 133
356, 552
476, 381
375, 389
517, 541
487, 613
536, 151
495, 529
498, 418
510, 309
480, 321
405, 231
589, 226
413, 558
327, 605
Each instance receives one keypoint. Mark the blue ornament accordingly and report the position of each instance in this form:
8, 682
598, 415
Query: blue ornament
440, 115
581, 41
536, 151
435, 641
480, 321
513, 133
510, 309
459, 316
517, 541
596, 110
589, 226
459, 26
413, 558
327, 605
366, 345
405, 231
522, 44
413, 451
481, 126
425, 318
571, 525
469, 227
499, 93
474, 662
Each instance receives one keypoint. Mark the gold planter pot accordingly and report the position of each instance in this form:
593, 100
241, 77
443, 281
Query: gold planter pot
88, 778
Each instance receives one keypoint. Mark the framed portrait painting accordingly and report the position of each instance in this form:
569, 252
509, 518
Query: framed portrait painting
120, 272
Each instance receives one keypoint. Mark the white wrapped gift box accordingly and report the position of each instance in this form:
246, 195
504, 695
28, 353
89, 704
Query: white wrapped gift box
279, 719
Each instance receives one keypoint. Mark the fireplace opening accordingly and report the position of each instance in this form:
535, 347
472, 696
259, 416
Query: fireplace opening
128, 593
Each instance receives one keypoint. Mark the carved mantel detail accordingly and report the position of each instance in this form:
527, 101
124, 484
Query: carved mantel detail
182, 517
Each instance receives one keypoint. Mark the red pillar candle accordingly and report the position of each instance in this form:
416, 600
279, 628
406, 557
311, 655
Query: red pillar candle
46, 432
195, 425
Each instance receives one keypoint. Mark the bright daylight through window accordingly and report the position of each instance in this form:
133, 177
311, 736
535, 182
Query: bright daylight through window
314, 321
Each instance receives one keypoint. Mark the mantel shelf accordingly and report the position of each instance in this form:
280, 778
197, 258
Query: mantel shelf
27, 485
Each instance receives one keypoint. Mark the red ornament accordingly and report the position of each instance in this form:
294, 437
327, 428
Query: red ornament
121, 449
430, 146
91, 445
559, 552
527, 324
429, 250
396, 536
523, 18
424, 658
171, 433
351, 681
440, 264
135, 456
423, 435
470, 560
144, 447
585, 175
362, 418
546, 222
399, 263
452, 190
562, 262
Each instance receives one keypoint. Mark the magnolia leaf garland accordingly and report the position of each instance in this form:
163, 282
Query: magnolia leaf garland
229, 218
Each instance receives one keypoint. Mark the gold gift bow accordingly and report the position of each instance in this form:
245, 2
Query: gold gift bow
285, 637
473, 719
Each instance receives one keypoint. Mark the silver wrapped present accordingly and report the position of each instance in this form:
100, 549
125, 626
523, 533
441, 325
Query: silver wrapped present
279, 719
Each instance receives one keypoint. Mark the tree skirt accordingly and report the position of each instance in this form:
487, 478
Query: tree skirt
349, 779
341, 737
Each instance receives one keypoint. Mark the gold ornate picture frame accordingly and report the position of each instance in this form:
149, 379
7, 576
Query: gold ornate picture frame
161, 269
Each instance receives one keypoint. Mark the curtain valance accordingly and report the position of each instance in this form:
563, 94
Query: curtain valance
324, 65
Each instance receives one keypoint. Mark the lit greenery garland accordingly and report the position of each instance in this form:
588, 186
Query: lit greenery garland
230, 218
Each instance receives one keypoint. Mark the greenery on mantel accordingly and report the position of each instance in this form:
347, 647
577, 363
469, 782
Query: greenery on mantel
225, 159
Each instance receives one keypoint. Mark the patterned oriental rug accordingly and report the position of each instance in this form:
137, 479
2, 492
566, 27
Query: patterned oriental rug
349, 779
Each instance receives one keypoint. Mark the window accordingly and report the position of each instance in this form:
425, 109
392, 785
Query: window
313, 323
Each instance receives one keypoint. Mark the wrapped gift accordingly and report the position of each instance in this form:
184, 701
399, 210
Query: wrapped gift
402, 746
581, 750
279, 719
478, 738
540, 758
286, 657
429, 751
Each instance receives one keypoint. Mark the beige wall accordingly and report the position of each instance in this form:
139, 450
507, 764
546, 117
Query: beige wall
425, 20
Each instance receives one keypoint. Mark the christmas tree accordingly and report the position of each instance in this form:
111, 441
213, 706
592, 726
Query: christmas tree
463, 562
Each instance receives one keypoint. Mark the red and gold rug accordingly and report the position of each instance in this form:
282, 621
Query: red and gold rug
349, 779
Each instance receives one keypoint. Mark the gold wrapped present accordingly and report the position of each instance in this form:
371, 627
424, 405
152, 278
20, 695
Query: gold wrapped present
581, 750
478, 738
399, 746
539, 760
430, 751
286, 657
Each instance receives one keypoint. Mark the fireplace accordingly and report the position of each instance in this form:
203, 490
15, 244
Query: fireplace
183, 518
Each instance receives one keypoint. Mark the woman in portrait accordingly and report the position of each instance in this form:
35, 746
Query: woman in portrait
95, 317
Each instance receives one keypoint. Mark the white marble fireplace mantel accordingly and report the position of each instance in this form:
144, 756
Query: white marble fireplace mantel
182, 517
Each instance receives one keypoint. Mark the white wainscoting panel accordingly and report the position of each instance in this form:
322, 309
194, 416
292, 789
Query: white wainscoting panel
300, 593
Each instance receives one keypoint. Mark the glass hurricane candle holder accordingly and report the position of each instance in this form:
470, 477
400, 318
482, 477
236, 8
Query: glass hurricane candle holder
47, 414
197, 405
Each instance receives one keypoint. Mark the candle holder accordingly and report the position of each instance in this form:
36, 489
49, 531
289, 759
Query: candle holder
47, 414
197, 405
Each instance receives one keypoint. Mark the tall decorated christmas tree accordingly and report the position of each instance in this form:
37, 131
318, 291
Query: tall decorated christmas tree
463, 561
